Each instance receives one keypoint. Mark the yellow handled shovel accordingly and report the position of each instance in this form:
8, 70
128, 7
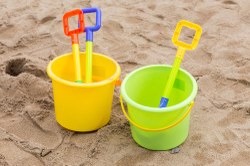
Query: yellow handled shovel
182, 47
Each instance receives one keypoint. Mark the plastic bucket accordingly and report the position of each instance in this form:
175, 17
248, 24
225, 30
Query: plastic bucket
152, 127
83, 106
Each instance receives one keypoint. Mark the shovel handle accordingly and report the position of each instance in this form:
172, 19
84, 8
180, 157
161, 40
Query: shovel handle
73, 33
90, 29
198, 31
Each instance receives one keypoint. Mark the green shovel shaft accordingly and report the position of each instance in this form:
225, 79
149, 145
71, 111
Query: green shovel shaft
171, 79
89, 47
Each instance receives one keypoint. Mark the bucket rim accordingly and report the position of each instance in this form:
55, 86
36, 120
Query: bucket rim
114, 77
155, 109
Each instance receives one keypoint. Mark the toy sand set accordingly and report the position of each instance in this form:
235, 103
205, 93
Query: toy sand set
159, 97
124, 83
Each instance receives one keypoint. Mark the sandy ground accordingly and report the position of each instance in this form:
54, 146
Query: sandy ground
135, 33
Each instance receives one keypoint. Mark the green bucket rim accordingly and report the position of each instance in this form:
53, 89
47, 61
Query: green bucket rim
154, 109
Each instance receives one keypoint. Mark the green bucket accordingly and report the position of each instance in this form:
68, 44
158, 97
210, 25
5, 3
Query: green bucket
152, 127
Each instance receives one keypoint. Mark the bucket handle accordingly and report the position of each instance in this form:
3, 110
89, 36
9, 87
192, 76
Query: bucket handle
159, 129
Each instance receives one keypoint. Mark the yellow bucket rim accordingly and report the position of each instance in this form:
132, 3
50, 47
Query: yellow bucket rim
114, 77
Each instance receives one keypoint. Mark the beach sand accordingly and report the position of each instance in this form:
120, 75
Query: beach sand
134, 33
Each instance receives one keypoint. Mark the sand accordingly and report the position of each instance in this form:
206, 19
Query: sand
135, 33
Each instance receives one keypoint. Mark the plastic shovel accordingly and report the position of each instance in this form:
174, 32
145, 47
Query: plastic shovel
75, 41
89, 40
182, 47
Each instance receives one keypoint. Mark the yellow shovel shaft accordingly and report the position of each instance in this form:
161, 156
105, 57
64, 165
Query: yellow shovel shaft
76, 56
175, 68
89, 46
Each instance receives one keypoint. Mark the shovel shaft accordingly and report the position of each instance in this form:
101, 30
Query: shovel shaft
89, 46
173, 73
171, 79
76, 53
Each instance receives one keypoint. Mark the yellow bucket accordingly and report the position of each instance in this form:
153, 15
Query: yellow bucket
83, 106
